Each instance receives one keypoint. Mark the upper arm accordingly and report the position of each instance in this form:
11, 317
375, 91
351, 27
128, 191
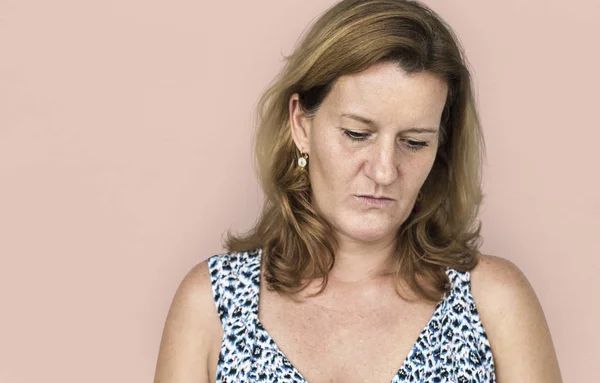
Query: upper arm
190, 329
514, 321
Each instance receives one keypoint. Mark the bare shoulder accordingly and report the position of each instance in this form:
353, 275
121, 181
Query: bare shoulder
514, 321
190, 330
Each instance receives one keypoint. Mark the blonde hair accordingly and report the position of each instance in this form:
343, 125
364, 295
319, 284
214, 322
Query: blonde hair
298, 244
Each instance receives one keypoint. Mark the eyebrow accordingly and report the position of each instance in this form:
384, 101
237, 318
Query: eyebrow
374, 124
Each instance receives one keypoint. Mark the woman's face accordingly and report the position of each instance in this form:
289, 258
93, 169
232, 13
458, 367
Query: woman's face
375, 134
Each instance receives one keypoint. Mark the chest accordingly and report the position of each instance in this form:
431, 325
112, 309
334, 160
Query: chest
345, 337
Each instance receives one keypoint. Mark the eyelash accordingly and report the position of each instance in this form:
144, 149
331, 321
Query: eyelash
355, 136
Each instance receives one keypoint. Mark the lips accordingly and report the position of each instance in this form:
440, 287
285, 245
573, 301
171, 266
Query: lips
375, 202
375, 197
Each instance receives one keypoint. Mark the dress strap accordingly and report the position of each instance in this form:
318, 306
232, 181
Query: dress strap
463, 312
234, 279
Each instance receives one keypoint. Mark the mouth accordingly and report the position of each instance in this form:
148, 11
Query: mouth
376, 197
379, 201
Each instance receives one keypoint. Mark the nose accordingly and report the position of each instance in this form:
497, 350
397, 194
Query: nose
381, 165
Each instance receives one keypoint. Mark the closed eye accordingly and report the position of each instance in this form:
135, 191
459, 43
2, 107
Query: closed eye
415, 145
355, 135
411, 145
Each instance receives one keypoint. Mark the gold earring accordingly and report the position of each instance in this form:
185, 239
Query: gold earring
417, 207
302, 160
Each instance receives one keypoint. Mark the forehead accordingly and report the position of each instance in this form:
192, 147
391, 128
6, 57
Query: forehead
387, 93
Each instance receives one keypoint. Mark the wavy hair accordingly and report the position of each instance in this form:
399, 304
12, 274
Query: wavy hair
298, 244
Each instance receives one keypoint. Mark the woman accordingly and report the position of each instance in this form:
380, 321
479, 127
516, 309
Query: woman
365, 258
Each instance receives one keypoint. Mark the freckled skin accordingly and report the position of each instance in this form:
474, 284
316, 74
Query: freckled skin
382, 164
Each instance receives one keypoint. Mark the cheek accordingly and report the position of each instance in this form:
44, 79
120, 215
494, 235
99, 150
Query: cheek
332, 170
332, 155
422, 171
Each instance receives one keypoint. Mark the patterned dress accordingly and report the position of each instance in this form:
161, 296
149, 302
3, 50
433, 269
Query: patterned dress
453, 346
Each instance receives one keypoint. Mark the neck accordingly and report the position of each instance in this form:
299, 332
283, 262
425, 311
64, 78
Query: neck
359, 262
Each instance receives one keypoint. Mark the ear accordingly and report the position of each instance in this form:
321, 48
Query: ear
299, 124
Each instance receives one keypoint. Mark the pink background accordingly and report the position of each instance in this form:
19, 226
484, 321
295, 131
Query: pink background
125, 138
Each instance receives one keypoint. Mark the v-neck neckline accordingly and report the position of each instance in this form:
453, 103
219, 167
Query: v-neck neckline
437, 312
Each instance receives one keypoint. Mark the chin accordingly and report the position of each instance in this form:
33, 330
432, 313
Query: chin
364, 227
367, 233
